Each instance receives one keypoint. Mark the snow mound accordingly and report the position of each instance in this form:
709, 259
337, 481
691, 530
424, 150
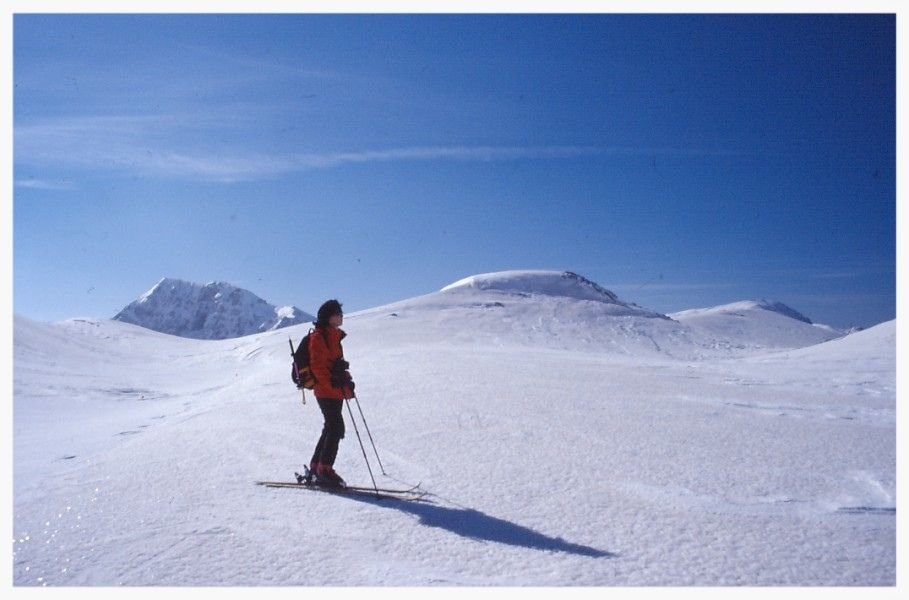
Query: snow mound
744, 306
528, 291
547, 283
542, 288
760, 323
215, 310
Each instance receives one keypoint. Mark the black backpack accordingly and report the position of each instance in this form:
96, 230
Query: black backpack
300, 371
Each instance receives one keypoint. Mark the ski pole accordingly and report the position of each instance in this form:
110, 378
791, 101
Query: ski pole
362, 416
353, 421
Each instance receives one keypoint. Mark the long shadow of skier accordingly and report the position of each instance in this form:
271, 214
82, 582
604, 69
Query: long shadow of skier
477, 525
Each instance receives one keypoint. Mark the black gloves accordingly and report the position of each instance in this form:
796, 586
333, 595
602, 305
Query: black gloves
340, 378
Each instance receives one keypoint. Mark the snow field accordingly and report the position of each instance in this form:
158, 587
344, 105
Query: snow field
585, 461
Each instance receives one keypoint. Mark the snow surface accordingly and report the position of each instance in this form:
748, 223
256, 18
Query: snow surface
212, 311
566, 440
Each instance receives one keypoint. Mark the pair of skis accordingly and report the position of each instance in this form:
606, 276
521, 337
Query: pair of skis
306, 482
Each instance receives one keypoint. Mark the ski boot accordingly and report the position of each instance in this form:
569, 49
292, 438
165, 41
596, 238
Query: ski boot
326, 476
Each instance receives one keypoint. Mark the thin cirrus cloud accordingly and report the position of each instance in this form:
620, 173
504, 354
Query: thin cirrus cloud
146, 146
43, 184
135, 145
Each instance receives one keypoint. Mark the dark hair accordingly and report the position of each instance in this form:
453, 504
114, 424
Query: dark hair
327, 311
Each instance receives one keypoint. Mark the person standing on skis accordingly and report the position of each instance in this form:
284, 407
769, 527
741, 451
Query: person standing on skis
333, 386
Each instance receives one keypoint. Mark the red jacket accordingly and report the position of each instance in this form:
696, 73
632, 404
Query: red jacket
322, 356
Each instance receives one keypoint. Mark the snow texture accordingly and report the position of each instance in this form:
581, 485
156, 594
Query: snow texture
213, 311
567, 438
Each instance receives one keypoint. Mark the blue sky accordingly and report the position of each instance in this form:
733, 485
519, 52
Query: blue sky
681, 161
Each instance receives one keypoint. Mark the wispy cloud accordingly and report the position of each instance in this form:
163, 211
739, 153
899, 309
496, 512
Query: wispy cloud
155, 146
43, 184
260, 68
466, 153
144, 145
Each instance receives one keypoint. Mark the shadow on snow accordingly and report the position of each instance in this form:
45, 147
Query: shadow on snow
477, 525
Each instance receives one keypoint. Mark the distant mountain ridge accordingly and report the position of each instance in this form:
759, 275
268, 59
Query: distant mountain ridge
525, 307
211, 311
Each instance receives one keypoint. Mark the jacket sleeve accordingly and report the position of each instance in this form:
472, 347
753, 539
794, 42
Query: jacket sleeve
320, 359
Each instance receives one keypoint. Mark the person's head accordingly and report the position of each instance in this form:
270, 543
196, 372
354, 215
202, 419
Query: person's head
330, 314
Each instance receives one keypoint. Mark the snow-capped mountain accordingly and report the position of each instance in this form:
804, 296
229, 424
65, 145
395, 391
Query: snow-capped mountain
211, 311
517, 290
564, 310
547, 283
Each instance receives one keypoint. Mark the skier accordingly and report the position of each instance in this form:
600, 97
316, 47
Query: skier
333, 386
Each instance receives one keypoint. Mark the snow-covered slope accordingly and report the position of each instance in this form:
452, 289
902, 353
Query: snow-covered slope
562, 310
753, 324
867, 343
737, 308
215, 310
551, 460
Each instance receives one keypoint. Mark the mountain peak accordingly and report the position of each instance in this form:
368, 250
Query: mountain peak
215, 310
529, 282
779, 307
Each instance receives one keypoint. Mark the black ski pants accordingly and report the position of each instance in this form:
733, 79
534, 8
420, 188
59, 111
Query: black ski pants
332, 431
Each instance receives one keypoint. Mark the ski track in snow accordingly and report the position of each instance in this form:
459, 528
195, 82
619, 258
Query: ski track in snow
593, 460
